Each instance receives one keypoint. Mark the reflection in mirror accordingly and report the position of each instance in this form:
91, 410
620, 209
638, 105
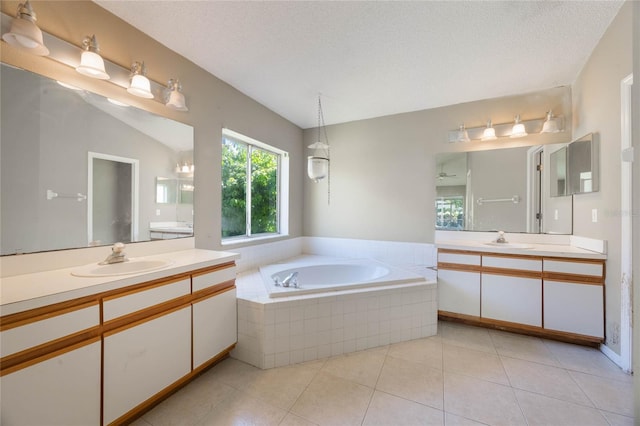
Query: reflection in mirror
497, 190
64, 158
558, 172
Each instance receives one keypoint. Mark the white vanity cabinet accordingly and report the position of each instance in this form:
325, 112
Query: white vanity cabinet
512, 289
108, 357
574, 297
459, 282
150, 347
560, 298
51, 366
215, 318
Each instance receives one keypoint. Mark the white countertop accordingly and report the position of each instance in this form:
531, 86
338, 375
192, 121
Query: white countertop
22, 292
549, 250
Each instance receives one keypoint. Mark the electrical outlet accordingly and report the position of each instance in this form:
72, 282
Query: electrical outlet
157, 212
555, 214
594, 215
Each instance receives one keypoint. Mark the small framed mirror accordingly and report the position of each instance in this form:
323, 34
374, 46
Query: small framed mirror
582, 165
558, 172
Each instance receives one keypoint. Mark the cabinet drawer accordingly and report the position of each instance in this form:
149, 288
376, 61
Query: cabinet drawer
127, 303
578, 268
50, 328
459, 258
209, 279
512, 263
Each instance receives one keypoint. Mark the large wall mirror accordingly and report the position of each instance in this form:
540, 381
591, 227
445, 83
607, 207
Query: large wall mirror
79, 170
500, 189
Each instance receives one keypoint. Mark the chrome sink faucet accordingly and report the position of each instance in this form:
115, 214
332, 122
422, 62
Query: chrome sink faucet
501, 238
117, 255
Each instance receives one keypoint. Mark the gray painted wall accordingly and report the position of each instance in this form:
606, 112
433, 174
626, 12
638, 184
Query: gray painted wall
596, 108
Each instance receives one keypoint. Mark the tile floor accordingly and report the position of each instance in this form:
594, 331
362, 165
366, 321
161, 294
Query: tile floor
462, 376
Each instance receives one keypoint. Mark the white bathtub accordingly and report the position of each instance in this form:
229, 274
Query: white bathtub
320, 275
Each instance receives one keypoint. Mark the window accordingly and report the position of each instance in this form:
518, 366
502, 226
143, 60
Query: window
253, 194
450, 213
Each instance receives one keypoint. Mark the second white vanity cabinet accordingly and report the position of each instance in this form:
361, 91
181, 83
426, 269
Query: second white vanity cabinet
556, 297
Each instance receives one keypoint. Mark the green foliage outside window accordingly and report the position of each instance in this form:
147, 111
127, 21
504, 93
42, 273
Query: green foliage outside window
237, 158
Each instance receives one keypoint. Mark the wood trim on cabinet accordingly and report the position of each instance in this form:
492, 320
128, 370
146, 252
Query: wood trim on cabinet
529, 330
140, 317
573, 278
213, 291
138, 289
40, 353
19, 319
519, 273
215, 268
459, 267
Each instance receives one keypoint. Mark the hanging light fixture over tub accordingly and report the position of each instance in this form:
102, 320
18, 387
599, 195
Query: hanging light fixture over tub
91, 63
24, 33
318, 163
174, 97
140, 85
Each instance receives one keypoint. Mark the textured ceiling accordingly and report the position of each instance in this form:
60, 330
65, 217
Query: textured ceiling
371, 58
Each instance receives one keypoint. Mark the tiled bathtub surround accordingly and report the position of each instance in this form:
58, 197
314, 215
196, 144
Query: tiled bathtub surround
291, 330
408, 255
278, 332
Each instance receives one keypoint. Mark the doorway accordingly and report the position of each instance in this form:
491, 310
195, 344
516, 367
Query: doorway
535, 204
112, 196
626, 252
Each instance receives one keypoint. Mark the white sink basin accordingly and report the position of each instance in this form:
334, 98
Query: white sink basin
510, 245
133, 266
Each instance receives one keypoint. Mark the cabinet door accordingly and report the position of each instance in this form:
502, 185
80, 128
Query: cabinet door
574, 307
513, 299
214, 326
62, 390
459, 292
142, 360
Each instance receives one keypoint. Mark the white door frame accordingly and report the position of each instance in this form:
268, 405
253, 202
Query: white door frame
135, 166
626, 258
531, 192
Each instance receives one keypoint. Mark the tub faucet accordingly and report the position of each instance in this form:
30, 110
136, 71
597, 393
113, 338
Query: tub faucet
117, 255
501, 239
291, 280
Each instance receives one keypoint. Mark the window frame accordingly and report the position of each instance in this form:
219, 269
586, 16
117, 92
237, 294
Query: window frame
282, 182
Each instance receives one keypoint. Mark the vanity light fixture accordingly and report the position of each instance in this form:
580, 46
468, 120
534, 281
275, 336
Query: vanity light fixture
185, 168
489, 133
91, 63
518, 130
140, 85
550, 124
463, 135
24, 33
174, 96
